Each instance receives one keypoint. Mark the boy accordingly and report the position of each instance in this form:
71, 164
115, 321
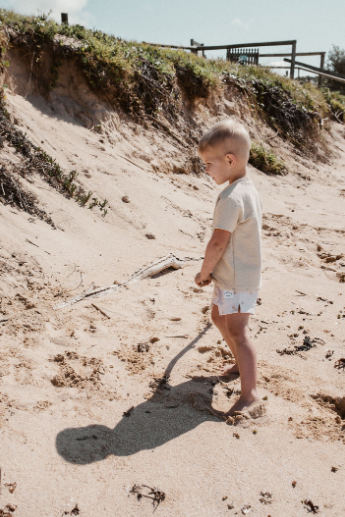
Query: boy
233, 254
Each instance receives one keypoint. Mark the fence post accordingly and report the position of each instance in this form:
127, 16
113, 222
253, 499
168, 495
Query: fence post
192, 44
64, 18
322, 64
293, 59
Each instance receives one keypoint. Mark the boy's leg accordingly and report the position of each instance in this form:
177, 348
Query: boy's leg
220, 323
238, 330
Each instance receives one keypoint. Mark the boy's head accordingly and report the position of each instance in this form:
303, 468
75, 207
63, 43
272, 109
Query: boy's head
225, 150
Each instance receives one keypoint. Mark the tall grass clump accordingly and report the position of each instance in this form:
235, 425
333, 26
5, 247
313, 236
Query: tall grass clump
38, 161
336, 103
266, 161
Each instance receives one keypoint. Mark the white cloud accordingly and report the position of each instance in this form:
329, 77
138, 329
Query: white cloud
74, 8
238, 22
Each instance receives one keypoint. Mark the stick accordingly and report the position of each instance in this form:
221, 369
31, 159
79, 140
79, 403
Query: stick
151, 270
27, 240
100, 310
128, 160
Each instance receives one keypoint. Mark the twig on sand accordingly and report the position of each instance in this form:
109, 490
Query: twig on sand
128, 412
312, 506
148, 271
307, 344
340, 364
155, 494
300, 293
30, 242
290, 351
100, 310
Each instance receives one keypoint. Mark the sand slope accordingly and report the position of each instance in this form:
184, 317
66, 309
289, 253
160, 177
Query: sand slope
67, 376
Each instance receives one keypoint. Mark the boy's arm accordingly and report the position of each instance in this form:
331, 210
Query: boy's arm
214, 250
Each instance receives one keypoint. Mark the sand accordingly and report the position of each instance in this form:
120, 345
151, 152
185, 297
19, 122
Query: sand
97, 406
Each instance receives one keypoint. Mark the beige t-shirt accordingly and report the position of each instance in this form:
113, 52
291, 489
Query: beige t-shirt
239, 211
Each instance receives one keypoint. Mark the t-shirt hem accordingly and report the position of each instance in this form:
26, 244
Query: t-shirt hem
238, 287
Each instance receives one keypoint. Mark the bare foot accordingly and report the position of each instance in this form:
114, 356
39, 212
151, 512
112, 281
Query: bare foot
230, 368
242, 404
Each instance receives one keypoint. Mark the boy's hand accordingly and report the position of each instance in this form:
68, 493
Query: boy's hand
201, 281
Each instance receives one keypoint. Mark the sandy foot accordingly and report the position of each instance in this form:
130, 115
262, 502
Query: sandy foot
230, 368
243, 404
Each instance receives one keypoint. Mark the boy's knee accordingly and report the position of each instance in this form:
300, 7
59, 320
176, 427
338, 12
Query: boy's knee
238, 333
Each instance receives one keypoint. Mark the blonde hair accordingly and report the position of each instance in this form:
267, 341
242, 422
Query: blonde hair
227, 131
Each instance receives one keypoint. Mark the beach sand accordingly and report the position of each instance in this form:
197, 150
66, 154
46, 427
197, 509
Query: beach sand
97, 406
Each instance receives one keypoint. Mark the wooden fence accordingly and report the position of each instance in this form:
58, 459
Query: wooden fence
194, 43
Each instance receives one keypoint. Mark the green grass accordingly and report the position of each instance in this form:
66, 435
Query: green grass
266, 161
336, 103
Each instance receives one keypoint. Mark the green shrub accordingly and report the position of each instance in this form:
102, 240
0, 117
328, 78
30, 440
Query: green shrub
266, 161
336, 103
42, 163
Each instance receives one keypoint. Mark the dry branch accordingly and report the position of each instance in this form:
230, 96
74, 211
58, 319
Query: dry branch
151, 270
100, 310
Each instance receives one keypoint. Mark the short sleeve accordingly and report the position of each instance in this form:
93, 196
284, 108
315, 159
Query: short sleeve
226, 214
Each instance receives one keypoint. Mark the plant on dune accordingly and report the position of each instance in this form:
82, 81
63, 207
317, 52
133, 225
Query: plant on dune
107, 57
336, 103
266, 161
36, 160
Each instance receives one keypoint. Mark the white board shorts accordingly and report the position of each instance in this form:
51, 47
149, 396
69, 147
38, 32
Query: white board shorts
229, 301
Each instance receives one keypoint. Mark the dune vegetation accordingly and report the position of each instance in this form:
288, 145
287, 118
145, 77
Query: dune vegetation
146, 81
125, 71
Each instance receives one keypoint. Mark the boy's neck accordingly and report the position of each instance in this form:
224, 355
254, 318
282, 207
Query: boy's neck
239, 174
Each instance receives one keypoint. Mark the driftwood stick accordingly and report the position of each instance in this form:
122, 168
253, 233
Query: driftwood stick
151, 270
155, 268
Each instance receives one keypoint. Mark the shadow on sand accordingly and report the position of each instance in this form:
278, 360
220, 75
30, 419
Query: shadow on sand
169, 413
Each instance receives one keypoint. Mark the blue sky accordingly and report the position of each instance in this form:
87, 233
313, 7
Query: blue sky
316, 24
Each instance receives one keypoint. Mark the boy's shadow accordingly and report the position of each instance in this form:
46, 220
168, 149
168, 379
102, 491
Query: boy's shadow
169, 413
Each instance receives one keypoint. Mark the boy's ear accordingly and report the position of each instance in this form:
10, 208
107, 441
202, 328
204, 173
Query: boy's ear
231, 159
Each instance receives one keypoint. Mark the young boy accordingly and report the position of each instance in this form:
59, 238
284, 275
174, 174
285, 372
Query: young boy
233, 254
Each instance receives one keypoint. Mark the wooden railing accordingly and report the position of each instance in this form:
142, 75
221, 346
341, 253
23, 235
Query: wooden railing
194, 43
320, 72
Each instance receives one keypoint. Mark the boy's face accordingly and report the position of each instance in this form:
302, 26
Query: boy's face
218, 165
